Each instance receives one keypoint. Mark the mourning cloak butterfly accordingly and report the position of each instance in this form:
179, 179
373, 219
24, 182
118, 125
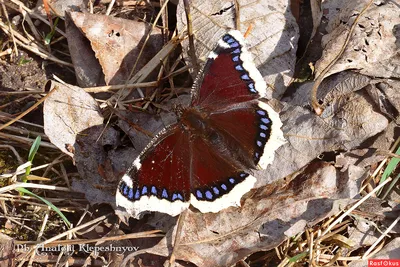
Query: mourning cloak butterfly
206, 158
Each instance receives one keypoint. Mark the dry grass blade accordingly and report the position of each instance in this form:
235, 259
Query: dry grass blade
32, 169
33, 14
31, 185
25, 140
147, 234
108, 88
141, 75
338, 220
384, 234
33, 47
10, 27
28, 110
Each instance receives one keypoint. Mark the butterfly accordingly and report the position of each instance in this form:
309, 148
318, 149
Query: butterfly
206, 159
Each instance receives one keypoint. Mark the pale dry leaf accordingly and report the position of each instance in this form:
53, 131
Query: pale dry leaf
383, 102
386, 139
272, 40
67, 112
60, 7
364, 234
360, 157
117, 43
389, 97
74, 123
88, 71
317, 12
331, 88
372, 48
309, 135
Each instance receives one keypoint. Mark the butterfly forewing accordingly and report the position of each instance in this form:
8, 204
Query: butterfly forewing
229, 76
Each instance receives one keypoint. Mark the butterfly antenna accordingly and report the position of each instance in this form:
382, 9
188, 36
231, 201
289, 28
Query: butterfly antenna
177, 237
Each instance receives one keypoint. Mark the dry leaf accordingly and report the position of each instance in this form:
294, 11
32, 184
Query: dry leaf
359, 157
7, 251
68, 112
88, 71
372, 48
117, 43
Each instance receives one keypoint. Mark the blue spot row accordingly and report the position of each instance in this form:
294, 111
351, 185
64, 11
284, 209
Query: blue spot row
137, 193
216, 191
213, 193
263, 134
244, 75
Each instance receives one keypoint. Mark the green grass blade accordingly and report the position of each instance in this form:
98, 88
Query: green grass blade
391, 186
48, 203
390, 168
32, 153
298, 257
49, 36
34, 148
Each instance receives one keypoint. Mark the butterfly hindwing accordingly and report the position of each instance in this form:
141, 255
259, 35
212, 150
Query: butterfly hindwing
216, 181
258, 133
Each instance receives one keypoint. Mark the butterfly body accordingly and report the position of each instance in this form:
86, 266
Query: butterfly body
206, 159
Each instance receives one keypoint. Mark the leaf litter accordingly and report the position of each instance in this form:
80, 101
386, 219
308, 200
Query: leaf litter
314, 177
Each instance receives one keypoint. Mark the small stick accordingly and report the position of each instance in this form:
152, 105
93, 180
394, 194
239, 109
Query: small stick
192, 49
107, 88
6, 52
177, 237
